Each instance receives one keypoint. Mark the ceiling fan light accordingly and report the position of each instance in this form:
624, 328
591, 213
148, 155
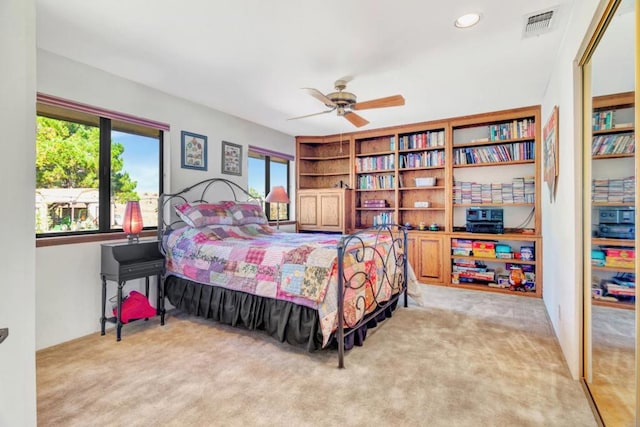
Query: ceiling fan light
467, 20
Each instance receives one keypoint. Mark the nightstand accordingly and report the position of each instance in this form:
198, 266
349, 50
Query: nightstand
128, 261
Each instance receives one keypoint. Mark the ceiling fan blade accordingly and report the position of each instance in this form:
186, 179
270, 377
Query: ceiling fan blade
389, 101
319, 96
355, 119
311, 115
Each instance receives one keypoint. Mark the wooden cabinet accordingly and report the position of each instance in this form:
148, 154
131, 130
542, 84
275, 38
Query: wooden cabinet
426, 256
324, 210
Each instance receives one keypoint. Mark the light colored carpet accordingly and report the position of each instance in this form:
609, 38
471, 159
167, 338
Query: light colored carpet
466, 358
613, 387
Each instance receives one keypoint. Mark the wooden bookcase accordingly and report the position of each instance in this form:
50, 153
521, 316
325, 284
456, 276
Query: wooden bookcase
323, 162
406, 174
496, 164
613, 187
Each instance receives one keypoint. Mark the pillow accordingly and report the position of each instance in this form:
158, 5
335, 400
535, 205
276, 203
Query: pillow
202, 214
247, 213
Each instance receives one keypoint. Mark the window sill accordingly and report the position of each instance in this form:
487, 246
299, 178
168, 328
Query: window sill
88, 238
274, 223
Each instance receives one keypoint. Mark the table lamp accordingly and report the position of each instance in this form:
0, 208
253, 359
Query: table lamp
132, 223
277, 195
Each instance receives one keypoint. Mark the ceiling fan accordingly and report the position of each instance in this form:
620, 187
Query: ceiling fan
344, 103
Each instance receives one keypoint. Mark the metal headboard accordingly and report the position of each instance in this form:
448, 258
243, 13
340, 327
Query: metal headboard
204, 191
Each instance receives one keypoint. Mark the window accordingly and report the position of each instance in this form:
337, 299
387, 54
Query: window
268, 169
89, 162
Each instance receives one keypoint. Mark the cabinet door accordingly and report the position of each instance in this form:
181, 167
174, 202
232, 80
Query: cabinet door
307, 211
430, 259
331, 211
412, 255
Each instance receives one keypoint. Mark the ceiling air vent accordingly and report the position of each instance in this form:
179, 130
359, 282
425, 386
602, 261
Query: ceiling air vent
538, 23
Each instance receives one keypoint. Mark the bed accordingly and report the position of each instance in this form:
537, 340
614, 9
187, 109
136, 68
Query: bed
224, 262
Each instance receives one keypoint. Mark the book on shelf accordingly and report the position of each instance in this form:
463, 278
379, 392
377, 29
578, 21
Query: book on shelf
423, 159
374, 203
383, 218
602, 120
374, 163
512, 130
510, 152
613, 144
427, 139
376, 182
622, 125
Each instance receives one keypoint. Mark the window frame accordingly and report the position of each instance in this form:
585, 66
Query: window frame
268, 156
56, 108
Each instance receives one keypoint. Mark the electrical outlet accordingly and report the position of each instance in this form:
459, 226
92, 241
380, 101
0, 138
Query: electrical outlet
4, 333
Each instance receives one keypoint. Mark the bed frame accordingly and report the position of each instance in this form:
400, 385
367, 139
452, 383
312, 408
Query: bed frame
394, 262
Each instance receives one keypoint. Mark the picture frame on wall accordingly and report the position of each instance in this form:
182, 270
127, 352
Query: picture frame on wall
193, 154
551, 148
231, 158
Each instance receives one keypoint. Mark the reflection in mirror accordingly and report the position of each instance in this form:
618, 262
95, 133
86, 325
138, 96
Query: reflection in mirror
611, 380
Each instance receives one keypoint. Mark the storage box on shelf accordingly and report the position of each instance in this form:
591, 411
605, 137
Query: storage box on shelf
485, 261
613, 201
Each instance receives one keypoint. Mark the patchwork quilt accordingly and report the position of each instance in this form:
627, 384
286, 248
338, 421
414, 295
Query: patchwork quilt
300, 268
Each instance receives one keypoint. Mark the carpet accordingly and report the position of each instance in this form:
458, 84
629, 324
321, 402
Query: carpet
465, 358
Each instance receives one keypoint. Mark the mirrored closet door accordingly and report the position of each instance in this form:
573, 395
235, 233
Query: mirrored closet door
609, 161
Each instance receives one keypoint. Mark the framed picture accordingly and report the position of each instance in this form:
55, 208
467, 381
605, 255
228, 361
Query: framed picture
550, 152
194, 151
231, 158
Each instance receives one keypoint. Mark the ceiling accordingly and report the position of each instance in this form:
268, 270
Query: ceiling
250, 58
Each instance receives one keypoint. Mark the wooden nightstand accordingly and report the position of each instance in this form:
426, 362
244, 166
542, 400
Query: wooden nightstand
128, 261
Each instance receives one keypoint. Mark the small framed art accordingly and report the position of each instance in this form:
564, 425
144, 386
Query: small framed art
231, 158
194, 151
551, 153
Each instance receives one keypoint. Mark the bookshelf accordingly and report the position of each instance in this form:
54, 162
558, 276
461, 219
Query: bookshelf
376, 181
613, 189
323, 162
323, 185
495, 164
414, 174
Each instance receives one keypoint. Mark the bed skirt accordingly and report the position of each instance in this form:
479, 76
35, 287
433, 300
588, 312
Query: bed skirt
287, 322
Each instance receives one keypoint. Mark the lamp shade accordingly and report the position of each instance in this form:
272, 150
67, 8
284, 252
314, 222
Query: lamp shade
277, 195
132, 223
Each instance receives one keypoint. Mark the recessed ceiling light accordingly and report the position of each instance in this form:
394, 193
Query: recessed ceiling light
468, 20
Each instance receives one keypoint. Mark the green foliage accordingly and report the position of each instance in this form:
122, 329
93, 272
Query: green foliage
67, 156
255, 193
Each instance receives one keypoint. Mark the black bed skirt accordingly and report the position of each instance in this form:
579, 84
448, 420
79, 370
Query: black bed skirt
283, 320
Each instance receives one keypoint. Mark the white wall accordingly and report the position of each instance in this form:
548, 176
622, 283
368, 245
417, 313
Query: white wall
68, 285
17, 184
562, 227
